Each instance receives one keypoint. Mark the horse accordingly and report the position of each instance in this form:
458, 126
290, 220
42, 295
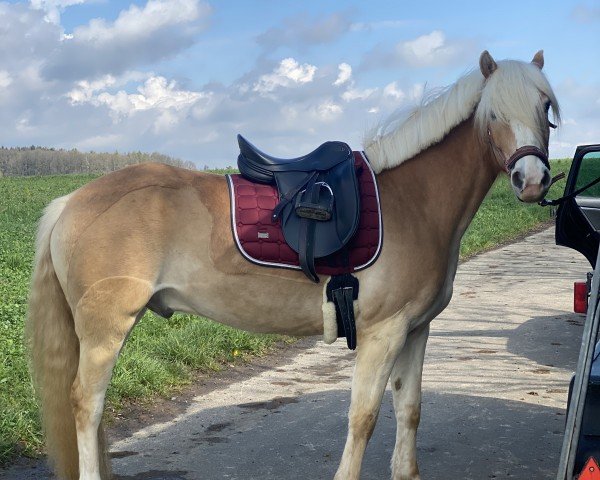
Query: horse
154, 236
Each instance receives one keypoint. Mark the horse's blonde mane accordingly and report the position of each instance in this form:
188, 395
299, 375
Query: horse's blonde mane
512, 92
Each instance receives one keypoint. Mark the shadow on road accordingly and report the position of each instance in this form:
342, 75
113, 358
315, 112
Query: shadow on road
461, 437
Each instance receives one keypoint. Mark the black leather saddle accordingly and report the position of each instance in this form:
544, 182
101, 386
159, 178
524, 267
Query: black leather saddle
319, 198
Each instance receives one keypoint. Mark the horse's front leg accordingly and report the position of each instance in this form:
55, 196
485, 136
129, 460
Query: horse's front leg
406, 389
378, 347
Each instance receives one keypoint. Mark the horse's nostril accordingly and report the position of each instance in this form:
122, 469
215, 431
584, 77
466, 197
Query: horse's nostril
546, 178
517, 180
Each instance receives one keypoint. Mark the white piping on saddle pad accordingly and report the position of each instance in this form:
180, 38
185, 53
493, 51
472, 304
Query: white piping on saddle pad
330, 328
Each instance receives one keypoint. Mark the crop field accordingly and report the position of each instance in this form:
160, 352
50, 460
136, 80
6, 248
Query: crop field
160, 356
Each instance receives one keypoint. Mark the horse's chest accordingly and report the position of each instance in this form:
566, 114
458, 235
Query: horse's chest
442, 295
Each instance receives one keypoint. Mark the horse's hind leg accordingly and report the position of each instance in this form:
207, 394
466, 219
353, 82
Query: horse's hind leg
377, 350
406, 390
103, 318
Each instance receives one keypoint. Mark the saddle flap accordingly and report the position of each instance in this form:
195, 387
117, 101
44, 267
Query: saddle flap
333, 234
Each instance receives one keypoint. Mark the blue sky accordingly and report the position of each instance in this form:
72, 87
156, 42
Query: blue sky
183, 77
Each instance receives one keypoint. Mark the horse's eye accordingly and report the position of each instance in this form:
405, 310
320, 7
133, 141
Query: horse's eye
493, 116
547, 105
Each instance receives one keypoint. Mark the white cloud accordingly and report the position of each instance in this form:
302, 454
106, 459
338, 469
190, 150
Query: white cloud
53, 8
426, 50
139, 36
357, 94
141, 22
156, 93
423, 46
179, 120
85, 89
5, 79
84, 92
329, 111
345, 74
288, 73
165, 121
430, 50
392, 90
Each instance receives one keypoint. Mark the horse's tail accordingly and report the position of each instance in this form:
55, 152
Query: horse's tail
54, 350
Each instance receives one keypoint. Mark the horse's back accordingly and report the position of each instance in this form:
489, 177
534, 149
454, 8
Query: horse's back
121, 223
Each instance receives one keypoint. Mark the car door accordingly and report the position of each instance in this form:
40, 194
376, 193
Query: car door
578, 218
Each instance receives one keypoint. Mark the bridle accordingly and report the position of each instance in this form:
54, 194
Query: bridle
509, 163
524, 151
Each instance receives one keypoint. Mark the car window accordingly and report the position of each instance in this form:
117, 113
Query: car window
588, 172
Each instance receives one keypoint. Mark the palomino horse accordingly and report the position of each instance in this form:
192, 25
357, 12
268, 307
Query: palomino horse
154, 236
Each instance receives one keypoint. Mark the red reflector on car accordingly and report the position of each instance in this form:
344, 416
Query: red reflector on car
580, 297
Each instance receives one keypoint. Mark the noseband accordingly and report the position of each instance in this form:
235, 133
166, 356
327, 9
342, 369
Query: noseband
519, 153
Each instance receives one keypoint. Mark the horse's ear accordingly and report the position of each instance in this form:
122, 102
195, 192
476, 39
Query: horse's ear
487, 64
538, 59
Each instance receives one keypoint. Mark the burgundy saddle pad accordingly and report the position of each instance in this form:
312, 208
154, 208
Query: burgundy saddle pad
261, 241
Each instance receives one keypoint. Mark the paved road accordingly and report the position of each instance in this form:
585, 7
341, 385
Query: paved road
497, 368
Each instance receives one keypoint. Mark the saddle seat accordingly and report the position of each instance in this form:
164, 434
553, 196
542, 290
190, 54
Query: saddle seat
260, 167
319, 198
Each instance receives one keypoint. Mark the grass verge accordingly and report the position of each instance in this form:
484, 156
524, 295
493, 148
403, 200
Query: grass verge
160, 356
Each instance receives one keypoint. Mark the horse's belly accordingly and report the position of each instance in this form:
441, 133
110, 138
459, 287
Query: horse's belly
251, 303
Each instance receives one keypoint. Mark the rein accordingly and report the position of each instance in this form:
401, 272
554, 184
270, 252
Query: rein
558, 201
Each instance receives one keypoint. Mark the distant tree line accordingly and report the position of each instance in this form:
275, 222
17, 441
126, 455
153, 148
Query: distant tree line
49, 161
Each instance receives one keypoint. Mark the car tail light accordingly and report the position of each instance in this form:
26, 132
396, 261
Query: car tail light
580, 297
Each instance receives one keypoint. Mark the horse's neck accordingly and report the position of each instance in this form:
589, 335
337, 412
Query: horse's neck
442, 187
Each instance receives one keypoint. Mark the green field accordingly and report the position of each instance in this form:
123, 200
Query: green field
160, 355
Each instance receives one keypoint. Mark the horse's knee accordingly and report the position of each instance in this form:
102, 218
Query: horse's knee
362, 424
410, 415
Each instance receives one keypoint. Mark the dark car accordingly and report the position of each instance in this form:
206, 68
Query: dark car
578, 227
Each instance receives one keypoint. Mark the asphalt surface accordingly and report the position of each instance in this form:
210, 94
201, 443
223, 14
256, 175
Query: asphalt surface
495, 383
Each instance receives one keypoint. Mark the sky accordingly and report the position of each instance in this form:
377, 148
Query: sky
184, 77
